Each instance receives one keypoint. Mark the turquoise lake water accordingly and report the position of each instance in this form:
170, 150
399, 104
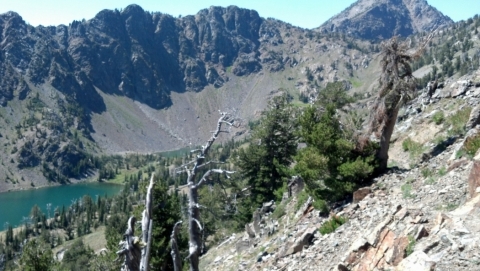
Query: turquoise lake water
17, 204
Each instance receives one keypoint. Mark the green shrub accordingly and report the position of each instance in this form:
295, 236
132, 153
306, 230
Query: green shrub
457, 121
321, 206
438, 117
332, 224
280, 191
471, 145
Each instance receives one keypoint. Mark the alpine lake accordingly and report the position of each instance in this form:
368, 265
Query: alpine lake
15, 206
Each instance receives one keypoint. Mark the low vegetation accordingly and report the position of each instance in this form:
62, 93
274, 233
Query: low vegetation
410, 246
457, 121
332, 224
438, 117
471, 145
414, 148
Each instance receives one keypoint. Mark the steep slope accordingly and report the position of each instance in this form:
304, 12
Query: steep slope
370, 19
420, 215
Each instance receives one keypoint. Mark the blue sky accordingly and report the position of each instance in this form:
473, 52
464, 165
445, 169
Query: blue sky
303, 13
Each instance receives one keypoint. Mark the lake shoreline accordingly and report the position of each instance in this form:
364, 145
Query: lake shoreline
89, 180
22, 201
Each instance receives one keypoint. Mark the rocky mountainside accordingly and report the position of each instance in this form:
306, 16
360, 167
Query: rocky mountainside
135, 81
132, 53
421, 215
381, 19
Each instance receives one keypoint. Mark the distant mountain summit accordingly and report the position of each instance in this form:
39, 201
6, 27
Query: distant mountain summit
382, 19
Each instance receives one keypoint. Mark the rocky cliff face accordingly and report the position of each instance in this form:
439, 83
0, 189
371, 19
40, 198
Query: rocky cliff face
131, 52
370, 19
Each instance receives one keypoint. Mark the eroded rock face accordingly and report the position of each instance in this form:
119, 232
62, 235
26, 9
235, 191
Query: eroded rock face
132, 52
383, 19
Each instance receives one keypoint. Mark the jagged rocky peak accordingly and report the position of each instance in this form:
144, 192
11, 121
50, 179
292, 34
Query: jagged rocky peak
131, 52
382, 19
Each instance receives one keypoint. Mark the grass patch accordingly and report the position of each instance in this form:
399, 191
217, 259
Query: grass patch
414, 148
451, 206
332, 224
355, 83
279, 211
457, 121
430, 180
438, 118
407, 191
411, 245
442, 171
301, 199
439, 140
426, 172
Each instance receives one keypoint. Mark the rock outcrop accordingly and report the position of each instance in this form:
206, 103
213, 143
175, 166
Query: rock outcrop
131, 52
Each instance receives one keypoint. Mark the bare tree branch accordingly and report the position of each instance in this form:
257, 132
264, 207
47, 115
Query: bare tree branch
192, 168
136, 251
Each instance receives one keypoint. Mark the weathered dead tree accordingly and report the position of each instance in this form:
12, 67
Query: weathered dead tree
397, 87
192, 169
177, 262
135, 250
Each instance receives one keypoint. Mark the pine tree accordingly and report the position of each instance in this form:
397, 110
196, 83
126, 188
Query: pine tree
166, 213
264, 163
37, 256
333, 164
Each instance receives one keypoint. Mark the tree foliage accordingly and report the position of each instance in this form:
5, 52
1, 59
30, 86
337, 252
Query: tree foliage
166, 212
333, 163
264, 163
77, 257
36, 256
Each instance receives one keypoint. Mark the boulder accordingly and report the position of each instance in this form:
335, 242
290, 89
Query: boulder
361, 193
249, 231
474, 118
418, 261
297, 246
